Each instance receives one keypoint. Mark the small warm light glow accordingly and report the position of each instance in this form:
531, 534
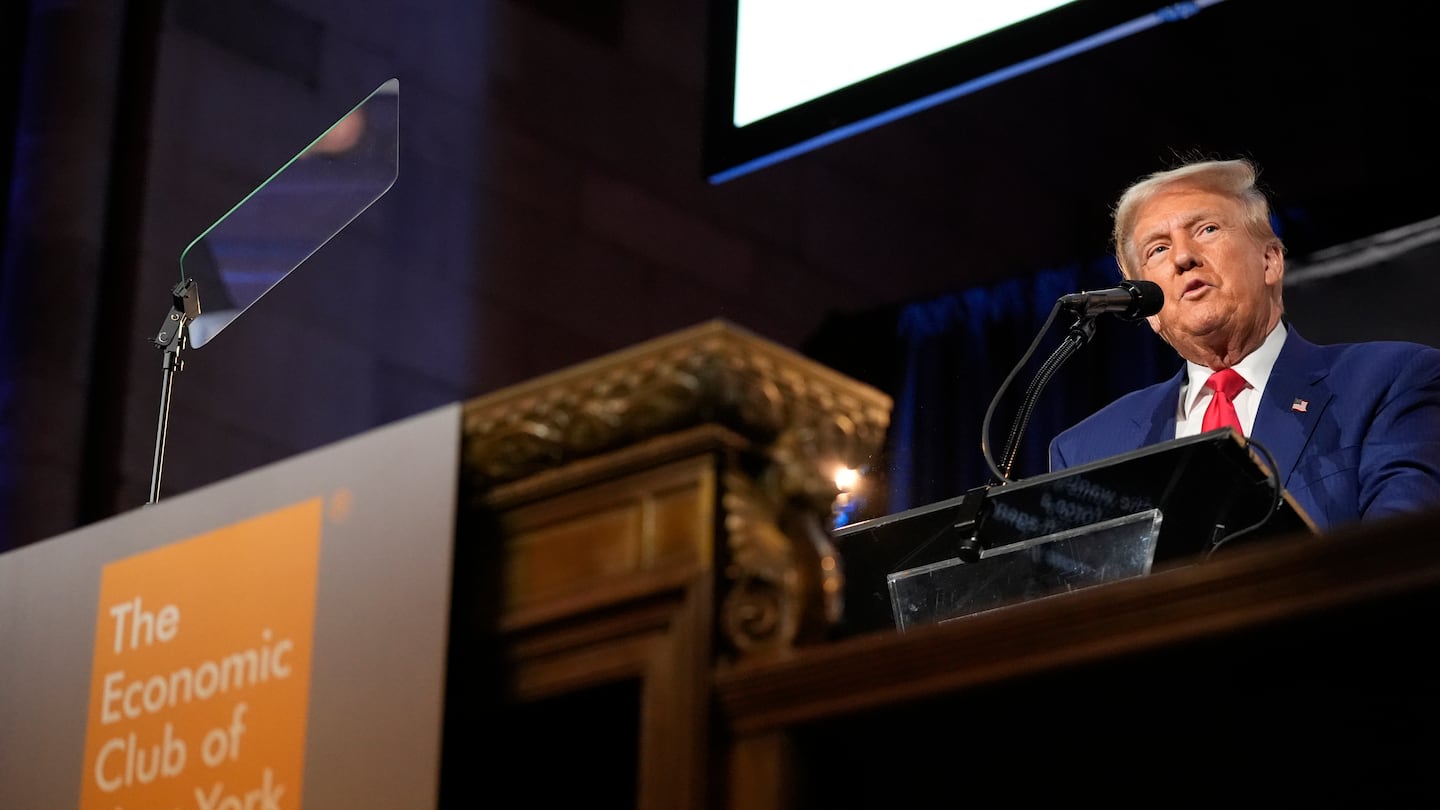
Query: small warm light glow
848, 496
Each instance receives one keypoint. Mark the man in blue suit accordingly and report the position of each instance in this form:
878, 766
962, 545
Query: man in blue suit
1353, 428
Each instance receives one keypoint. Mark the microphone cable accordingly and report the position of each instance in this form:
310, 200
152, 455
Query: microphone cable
1004, 477
1131, 301
1272, 477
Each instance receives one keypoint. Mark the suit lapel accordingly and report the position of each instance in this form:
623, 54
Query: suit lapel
1156, 420
1295, 396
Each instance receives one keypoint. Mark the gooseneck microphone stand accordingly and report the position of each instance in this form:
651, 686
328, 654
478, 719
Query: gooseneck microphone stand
171, 339
972, 508
1079, 334
1131, 300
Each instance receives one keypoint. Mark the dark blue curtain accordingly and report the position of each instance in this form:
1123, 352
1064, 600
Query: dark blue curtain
944, 359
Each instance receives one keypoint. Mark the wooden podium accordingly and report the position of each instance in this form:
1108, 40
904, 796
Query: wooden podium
627, 527
646, 605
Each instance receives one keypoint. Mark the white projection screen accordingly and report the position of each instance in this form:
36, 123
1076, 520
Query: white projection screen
788, 76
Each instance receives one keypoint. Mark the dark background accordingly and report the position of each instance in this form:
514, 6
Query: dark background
1333, 101
550, 208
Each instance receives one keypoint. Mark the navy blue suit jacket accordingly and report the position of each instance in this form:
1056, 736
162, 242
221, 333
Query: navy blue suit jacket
1354, 427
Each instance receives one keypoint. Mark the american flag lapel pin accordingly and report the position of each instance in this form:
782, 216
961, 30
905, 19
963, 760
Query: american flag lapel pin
1300, 405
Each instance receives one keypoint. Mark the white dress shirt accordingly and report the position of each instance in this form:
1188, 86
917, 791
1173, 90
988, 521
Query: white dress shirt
1255, 368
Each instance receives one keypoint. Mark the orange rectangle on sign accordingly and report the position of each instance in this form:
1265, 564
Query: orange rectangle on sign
200, 683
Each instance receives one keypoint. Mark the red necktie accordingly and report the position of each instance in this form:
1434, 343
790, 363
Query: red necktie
1226, 383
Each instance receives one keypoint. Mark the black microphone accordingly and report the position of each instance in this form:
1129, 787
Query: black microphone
1131, 301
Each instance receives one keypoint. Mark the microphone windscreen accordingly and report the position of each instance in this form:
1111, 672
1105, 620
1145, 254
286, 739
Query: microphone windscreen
1149, 298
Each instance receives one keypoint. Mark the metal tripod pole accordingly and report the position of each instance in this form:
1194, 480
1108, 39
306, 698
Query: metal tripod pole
186, 308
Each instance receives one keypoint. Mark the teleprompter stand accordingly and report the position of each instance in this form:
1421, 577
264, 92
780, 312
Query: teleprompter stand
171, 340
280, 224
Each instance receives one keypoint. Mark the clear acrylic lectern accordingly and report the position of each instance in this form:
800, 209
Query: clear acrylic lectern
1109, 520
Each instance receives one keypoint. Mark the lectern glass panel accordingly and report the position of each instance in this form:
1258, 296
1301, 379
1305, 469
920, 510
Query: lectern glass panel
1045, 566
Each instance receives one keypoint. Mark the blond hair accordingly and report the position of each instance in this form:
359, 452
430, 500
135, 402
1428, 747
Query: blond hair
1232, 178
